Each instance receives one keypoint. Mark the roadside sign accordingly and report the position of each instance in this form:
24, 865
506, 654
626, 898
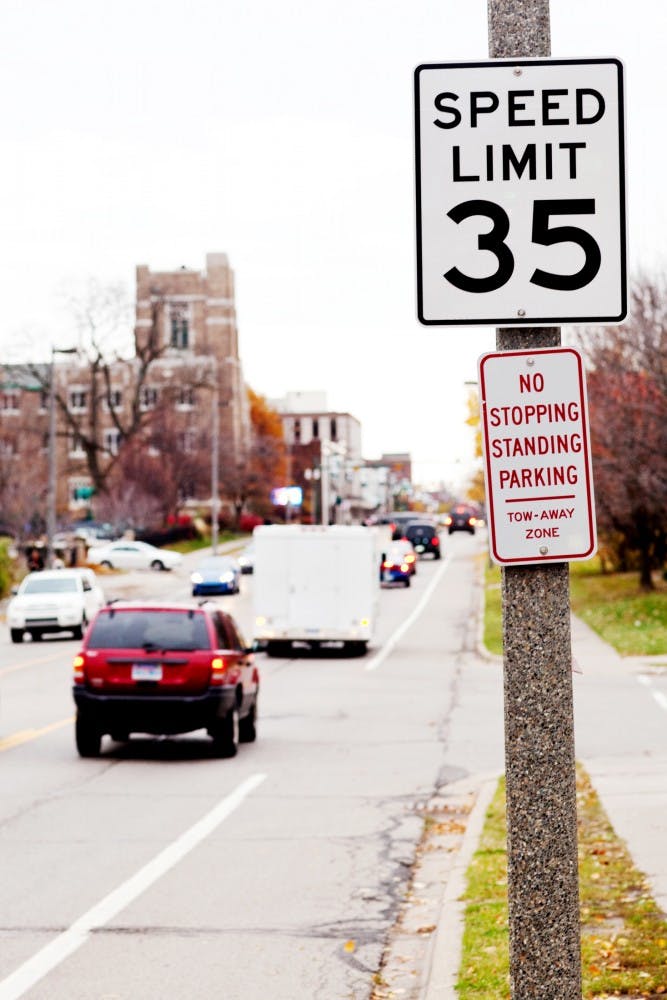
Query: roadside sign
520, 186
537, 460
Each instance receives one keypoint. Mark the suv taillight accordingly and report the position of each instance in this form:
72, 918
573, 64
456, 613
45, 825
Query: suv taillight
435, 540
218, 668
79, 673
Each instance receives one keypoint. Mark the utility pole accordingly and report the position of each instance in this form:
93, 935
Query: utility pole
543, 885
215, 461
51, 491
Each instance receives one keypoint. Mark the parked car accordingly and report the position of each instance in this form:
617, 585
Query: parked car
394, 567
164, 669
216, 575
125, 554
59, 600
461, 518
247, 558
424, 538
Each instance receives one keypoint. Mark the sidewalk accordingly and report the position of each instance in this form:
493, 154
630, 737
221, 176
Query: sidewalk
632, 789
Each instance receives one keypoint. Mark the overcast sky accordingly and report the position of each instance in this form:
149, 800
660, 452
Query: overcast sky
280, 133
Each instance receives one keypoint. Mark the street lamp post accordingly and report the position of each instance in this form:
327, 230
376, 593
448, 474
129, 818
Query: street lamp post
215, 459
51, 492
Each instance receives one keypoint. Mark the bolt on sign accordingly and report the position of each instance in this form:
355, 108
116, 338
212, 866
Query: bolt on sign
537, 457
520, 187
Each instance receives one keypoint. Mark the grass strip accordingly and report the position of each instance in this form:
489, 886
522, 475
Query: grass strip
631, 620
623, 933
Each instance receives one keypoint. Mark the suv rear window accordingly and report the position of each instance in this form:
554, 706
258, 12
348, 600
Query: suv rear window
174, 630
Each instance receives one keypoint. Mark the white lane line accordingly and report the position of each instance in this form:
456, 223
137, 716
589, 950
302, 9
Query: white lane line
409, 621
20, 981
658, 695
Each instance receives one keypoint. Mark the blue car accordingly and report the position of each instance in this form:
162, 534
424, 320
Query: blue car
395, 568
216, 575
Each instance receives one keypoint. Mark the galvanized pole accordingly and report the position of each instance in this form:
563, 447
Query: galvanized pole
543, 885
215, 462
51, 491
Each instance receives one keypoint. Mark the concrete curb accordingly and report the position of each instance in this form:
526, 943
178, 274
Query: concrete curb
441, 974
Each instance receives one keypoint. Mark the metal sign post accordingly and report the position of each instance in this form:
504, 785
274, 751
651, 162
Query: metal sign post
543, 882
520, 196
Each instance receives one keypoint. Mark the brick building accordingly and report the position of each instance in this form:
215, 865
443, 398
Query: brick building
163, 398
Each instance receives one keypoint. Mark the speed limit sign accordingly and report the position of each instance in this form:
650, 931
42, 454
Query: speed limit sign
520, 180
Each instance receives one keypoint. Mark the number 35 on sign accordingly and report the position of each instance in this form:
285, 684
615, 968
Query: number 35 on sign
520, 174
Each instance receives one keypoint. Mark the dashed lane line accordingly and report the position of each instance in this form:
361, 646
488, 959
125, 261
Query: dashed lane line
395, 638
47, 958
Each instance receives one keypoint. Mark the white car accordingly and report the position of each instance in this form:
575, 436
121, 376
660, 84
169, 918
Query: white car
126, 554
59, 600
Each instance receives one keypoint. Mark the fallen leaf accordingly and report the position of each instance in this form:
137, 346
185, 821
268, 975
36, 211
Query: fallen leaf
349, 946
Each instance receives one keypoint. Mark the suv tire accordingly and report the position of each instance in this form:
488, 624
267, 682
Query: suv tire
248, 726
88, 737
225, 734
16, 634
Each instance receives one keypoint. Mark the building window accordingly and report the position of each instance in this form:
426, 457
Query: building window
187, 441
78, 400
334, 429
297, 431
76, 448
44, 400
185, 399
114, 400
179, 326
6, 449
10, 401
316, 427
112, 440
147, 397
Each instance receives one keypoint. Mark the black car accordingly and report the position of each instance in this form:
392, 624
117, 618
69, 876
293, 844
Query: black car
423, 537
398, 521
461, 518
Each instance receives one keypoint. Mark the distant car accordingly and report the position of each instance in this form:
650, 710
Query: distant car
133, 555
216, 575
461, 518
164, 669
424, 538
247, 558
397, 520
395, 568
59, 600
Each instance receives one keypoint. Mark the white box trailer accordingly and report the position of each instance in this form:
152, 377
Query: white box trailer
316, 585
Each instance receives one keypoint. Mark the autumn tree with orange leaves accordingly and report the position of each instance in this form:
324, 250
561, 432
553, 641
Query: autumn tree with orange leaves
627, 391
249, 483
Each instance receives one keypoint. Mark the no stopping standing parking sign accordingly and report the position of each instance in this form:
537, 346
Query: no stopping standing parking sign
537, 459
520, 187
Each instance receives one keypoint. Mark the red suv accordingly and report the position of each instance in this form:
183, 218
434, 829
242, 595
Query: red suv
164, 669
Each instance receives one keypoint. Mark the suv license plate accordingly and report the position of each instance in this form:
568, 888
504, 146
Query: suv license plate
419, 548
146, 672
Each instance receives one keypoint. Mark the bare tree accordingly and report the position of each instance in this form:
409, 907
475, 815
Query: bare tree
115, 371
627, 387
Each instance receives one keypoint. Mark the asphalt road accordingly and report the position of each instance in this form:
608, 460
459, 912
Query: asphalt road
159, 870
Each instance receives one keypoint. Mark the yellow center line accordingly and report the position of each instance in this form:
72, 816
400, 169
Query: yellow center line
30, 663
25, 735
